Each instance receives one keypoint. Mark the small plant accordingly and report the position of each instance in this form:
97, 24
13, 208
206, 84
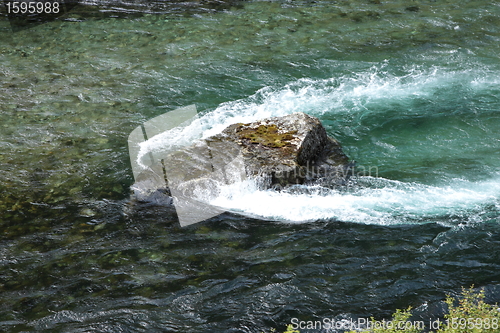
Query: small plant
471, 314
468, 314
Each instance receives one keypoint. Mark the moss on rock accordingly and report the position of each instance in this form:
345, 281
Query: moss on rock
267, 135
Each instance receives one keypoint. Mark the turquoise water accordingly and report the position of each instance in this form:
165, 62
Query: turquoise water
411, 91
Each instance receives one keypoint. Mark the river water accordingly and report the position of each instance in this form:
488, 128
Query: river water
412, 92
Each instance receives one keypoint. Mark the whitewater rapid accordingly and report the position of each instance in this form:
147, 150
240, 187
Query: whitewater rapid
353, 97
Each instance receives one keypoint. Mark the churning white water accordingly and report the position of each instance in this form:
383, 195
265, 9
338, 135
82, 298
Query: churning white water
374, 93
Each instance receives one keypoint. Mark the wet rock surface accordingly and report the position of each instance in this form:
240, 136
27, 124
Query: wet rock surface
282, 151
293, 149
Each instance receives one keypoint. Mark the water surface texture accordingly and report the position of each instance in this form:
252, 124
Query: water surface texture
410, 89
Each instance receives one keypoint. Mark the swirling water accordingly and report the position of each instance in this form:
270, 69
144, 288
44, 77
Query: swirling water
411, 92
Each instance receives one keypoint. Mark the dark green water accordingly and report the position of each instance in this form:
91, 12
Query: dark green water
411, 90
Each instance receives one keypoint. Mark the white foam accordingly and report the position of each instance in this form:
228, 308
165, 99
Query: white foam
348, 94
374, 201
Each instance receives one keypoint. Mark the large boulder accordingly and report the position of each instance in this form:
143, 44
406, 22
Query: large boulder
293, 149
281, 151
274, 153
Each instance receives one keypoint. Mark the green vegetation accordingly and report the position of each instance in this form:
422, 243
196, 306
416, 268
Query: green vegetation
468, 314
266, 135
471, 314
289, 329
